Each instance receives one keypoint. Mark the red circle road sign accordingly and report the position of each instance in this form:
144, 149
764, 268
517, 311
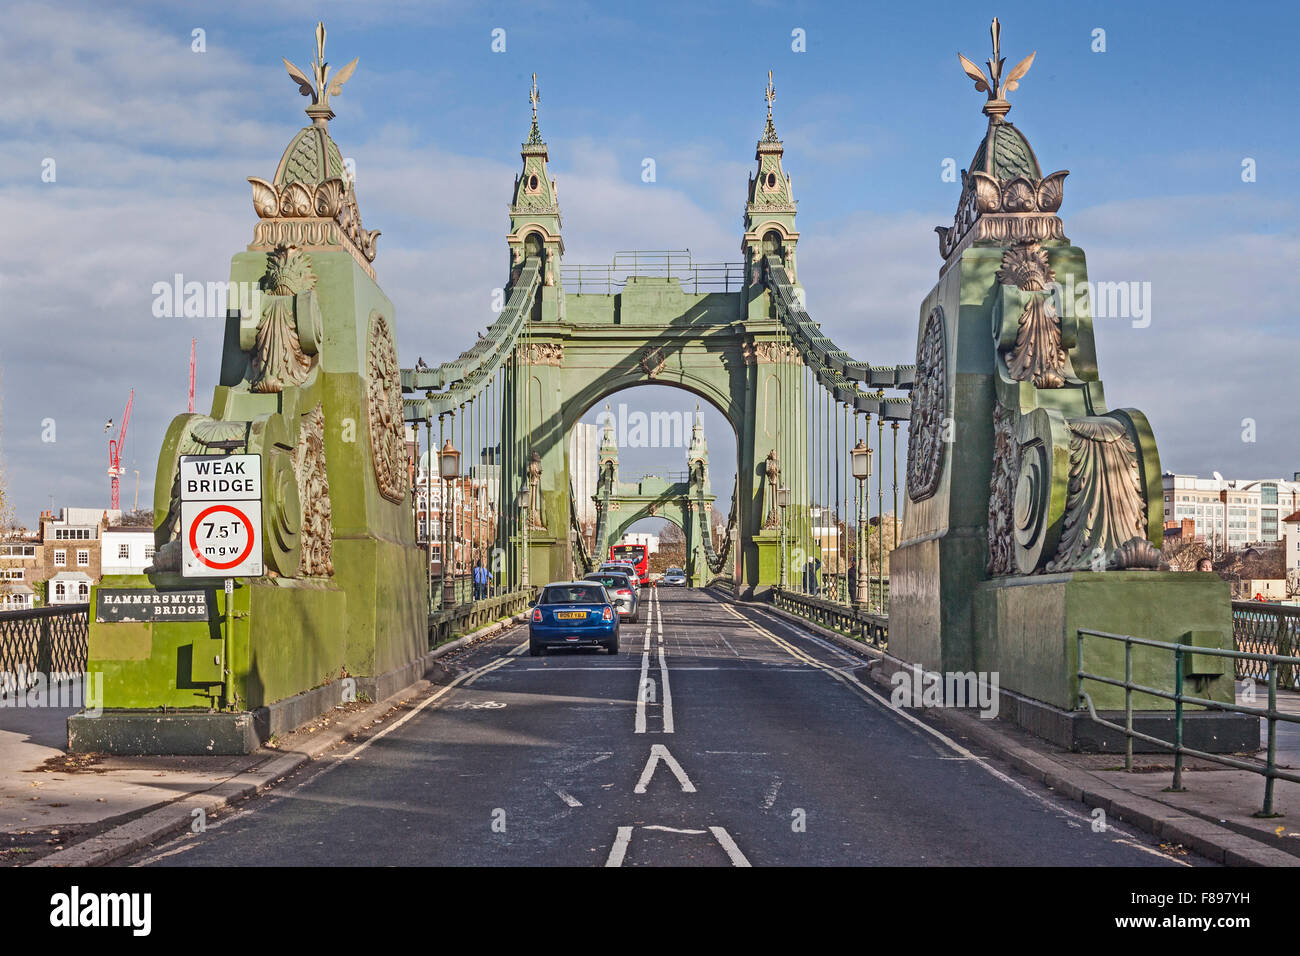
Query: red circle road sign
242, 518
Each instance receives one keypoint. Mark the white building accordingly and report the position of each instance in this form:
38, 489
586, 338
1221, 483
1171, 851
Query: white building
70, 587
1291, 535
126, 550
1253, 509
651, 541
584, 444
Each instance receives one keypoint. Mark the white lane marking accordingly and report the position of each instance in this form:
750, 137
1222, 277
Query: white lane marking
642, 690
1147, 849
729, 845
649, 618
659, 752
851, 681
619, 849
567, 798
769, 798
658, 826
499, 662
666, 692
660, 609
467, 678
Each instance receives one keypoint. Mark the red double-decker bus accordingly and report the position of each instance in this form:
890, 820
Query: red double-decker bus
637, 555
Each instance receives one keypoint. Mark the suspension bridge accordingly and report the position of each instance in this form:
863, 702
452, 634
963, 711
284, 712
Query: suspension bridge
1026, 530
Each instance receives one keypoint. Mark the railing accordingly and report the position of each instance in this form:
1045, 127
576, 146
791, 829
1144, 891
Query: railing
1271, 663
864, 626
667, 264
838, 588
1260, 628
48, 640
470, 616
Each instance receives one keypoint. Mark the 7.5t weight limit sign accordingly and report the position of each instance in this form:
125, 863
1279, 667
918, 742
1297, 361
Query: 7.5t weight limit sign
221, 516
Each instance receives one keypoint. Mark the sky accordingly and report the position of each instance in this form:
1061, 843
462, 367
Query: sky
152, 140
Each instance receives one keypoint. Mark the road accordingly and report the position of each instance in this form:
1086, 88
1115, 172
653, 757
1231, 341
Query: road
719, 736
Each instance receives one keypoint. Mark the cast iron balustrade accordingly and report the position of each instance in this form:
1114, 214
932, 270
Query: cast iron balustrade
46, 640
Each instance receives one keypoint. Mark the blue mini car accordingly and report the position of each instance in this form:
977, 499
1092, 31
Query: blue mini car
573, 614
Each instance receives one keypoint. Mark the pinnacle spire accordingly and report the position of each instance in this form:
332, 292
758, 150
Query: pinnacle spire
534, 134
769, 93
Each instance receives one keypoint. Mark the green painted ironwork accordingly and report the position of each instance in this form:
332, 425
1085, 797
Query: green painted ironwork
1181, 653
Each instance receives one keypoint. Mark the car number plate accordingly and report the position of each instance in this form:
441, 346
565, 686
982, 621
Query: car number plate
570, 615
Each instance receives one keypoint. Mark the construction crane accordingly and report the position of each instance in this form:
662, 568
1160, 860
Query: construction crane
115, 469
192, 341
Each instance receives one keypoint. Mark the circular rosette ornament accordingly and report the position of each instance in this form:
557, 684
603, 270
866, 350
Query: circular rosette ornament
384, 400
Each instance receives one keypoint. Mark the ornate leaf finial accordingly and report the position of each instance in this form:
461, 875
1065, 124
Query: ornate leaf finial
320, 87
992, 82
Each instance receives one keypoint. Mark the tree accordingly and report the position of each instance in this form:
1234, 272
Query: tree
1184, 553
672, 549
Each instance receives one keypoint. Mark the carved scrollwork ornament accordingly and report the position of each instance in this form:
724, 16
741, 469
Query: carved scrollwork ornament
1037, 355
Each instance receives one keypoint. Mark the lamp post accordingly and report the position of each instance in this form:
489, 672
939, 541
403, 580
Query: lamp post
449, 470
523, 501
861, 455
782, 500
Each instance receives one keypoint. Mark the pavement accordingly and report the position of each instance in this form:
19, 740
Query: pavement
95, 807
723, 734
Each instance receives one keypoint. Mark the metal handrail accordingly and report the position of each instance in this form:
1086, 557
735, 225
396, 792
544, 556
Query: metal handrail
602, 279
1269, 771
865, 626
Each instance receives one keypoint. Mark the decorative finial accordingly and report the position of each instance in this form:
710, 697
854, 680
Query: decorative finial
534, 134
321, 87
769, 93
997, 106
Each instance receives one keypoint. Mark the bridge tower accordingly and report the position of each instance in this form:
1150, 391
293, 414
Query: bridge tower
699, 516
606, 482
772, 434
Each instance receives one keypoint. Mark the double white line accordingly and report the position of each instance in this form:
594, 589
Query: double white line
643, 687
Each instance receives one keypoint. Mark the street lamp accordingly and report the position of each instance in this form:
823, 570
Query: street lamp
449, 470
523, 501
782, 500
861, 455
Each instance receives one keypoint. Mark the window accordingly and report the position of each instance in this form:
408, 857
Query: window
83, 558
83, 591
13, 574
124, 551
60, 589
148, 551
60, 559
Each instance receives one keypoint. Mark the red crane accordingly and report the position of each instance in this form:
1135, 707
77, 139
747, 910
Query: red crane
192, 341
115, 469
